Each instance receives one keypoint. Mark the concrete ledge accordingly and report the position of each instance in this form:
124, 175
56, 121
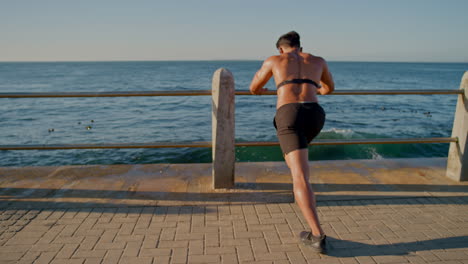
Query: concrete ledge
190, 184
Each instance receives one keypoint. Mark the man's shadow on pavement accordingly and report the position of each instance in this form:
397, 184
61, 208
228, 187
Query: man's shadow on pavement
346, 248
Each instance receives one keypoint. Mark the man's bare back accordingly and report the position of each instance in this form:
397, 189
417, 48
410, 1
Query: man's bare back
294, 64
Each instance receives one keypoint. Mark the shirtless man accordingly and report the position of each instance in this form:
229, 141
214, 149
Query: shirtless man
299, 118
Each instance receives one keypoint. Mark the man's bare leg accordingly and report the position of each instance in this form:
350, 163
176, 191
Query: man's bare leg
298, 163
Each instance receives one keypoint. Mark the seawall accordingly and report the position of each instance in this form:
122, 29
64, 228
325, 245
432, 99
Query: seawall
190, 184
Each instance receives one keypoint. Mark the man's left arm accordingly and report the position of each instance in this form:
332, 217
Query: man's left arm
261, 77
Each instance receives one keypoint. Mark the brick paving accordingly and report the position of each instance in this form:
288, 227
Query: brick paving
395, 230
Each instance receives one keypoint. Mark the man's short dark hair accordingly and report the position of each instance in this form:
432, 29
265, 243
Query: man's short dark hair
290, 39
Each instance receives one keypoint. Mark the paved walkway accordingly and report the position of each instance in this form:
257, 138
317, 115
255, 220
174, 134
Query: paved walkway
423, 230
424, 227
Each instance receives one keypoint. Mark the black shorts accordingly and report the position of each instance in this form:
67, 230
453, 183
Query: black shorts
297, 124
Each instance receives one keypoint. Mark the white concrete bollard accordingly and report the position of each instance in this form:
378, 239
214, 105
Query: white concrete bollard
223, 139
457, 162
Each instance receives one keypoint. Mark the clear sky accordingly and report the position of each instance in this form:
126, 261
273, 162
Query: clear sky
347, 30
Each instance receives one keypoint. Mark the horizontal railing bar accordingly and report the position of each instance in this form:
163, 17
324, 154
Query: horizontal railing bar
108, 146
356, 141
105, 94
371, 92
206, 144
208, 92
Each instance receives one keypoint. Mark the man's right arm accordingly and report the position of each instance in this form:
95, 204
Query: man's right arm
261, 77
326, 81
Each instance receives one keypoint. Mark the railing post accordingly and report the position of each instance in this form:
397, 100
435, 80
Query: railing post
457, 163
223, 129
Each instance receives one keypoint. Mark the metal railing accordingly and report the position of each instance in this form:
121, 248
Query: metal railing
208, 92
206, 144
225, 84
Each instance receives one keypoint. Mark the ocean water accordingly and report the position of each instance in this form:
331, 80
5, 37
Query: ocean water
186, 119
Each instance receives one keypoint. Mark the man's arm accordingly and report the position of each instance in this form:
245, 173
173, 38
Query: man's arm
261, 77
326, 81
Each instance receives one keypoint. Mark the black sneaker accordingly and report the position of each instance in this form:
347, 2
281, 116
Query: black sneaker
318, 244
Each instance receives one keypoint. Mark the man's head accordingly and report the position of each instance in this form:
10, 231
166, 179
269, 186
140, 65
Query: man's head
289, 40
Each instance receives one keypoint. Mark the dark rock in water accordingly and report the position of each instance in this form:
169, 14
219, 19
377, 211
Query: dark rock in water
92, 121
79, 123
